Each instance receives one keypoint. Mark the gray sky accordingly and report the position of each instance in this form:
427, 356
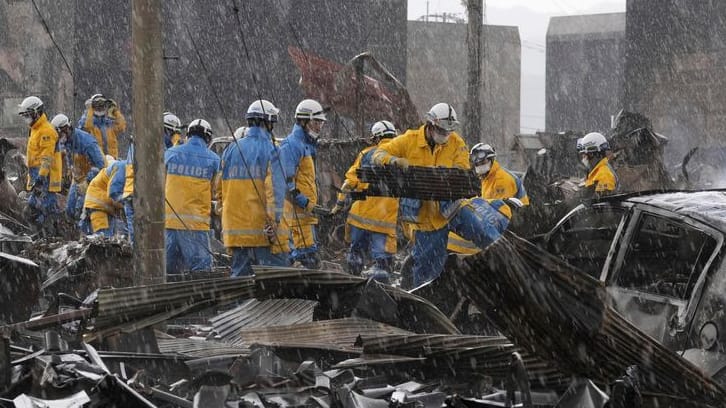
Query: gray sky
532, 18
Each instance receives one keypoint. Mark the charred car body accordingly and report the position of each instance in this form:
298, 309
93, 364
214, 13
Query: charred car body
661, 257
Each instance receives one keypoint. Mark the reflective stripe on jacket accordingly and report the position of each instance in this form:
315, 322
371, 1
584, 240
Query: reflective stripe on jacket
190, 170
377, 214
413, 146
43, 155
253, 191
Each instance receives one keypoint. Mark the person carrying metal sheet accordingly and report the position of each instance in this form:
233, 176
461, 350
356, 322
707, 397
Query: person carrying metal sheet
104, 120
45, 164
252, 195
371, 223
501, 188
86, 160
191, 169
297, 154
434, 144
601, 178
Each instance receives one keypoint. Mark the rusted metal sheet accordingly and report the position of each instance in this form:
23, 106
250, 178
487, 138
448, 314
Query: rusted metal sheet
562, 315
424, 183
338, 86
267, 313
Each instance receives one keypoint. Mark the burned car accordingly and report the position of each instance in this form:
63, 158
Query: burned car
661, 257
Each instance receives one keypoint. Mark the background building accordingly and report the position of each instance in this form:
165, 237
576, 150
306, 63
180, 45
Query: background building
584, 71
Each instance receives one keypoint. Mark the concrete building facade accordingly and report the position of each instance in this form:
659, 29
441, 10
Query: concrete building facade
95, 38
584, 71
675, 70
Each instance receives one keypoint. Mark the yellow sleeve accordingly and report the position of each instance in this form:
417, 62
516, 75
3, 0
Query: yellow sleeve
387, 152
46, 151
461, 155
119, 121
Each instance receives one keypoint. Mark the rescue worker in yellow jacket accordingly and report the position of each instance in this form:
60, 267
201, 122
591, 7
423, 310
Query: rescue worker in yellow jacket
99, 211
172, 130
85, 159
601, 178
104, 120
253, 192
500, 187
45, 164
297, 155
435, 144
190, 171
371, 224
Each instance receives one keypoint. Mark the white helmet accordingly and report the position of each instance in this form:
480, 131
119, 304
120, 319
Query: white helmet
383, 129
240, 132
30, 105
201, 128
172, 122
60, 121
481, 152
443, 116
594, 142
579, 145
310, 109
262, 109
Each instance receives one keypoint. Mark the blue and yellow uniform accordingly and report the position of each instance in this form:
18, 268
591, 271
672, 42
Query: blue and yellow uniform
121, 191
172, 139
371, 222
430, 224
99, 207
602, 177
45, 168
105, 129
497, 185
190, 171
87, 159
297, 155
252, 195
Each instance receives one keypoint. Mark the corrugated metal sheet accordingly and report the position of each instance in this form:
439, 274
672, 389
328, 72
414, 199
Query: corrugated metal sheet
199, 348
338, 332
266, 313
549, 308
463, 355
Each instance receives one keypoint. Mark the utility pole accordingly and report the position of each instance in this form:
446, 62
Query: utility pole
474, 81
148, 101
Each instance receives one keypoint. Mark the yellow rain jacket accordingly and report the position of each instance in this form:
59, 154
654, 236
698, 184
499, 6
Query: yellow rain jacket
105, 129
498, 184
376, 214
253, 192
43, 155
602, 177
413, 146
190, 169
97, 194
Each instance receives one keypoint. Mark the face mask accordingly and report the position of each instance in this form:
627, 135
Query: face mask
27, 119
440, 139
483, 169
586, 162
99, 113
